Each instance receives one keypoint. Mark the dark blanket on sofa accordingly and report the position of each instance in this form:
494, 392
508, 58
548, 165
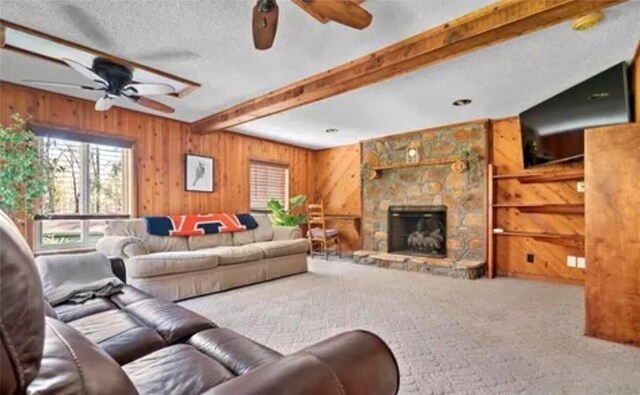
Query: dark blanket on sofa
199, 224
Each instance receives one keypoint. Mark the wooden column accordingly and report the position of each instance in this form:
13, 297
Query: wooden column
612, 284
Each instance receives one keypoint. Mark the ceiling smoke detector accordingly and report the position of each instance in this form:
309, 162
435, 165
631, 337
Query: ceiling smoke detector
331, 131
461, 102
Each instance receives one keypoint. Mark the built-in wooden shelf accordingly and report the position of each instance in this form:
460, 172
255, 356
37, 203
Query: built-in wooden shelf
539, 235
564, 208
572, 240
375, 171
540, 177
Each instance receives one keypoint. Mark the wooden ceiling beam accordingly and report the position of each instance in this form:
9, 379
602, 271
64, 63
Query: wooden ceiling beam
487, 26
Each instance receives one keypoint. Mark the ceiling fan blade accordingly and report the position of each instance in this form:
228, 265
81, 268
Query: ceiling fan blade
62, 85
149, 89
152, 104
265, 23
104, 103
345, 12
306, 8
87, 72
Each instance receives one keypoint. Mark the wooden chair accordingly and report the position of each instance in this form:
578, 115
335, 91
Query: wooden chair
322, 240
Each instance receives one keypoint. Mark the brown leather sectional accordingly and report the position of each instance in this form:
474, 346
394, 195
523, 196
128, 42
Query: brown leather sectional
133, 343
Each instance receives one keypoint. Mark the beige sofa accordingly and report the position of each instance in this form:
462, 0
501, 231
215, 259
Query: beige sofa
177, 268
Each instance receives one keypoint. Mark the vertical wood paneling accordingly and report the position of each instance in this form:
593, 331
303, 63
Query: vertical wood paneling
338, 187
160, 146
613, 233
511, 251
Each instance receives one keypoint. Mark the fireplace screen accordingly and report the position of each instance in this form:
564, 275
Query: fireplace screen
418, 230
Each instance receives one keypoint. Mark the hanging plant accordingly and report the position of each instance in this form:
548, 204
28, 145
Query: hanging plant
22, 171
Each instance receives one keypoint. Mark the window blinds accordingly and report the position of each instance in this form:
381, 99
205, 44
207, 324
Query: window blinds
267, 181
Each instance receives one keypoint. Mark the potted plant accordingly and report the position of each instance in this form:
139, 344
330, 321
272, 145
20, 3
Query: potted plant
282, 217
23, 178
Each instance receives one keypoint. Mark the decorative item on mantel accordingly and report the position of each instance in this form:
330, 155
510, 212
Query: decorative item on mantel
413, 151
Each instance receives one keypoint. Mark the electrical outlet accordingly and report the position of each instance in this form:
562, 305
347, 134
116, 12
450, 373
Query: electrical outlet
581, 262
531, 258
572, 261
580, 186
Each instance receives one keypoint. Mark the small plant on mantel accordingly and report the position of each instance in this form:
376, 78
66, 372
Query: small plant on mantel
282, 217
22, 171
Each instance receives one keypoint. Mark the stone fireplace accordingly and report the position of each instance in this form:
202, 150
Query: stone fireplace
454, 200
418, 230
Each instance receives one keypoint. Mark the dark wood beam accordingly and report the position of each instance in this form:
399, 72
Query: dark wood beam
490, 25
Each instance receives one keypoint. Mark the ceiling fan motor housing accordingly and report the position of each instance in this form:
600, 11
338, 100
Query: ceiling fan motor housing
116, 74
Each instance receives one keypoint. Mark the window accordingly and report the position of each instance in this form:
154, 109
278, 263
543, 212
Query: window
87, 184
267, 181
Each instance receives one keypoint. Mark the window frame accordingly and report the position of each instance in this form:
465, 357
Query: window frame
129, 191
282, 165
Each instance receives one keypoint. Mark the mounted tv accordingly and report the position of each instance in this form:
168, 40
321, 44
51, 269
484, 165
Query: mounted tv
553, 131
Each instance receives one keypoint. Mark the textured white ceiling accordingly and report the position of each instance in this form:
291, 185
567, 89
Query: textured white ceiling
209, 41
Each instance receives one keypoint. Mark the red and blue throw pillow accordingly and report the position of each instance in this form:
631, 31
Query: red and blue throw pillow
199, 224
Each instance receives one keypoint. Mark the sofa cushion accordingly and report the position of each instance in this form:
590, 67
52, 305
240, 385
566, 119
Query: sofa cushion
244, 237
179, 369
167, 243
264, 231
174, 323
121, 335
274, 249
210, 241
163, 263
235, 255
236, 352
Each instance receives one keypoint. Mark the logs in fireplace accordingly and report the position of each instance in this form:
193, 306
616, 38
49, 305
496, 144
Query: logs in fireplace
418, 230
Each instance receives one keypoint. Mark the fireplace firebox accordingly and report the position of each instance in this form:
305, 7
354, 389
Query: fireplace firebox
418, 230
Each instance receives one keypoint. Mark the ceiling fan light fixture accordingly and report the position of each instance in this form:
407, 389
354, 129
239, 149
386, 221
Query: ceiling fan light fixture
461, 102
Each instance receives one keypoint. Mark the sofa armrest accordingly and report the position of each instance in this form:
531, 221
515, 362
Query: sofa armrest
355, 362
122, 246
286, 232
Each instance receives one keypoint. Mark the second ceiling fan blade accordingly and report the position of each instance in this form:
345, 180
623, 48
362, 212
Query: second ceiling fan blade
265, 23
61, 85
87, 72
149, 89
345, 12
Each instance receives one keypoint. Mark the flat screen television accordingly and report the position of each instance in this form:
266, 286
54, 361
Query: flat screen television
553, 131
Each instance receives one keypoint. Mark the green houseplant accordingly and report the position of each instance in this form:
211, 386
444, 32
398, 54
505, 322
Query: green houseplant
282, 217
23, 178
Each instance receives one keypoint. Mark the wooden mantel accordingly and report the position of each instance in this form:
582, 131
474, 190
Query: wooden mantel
487, 26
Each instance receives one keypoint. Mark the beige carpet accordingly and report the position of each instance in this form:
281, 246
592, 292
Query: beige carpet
449, 335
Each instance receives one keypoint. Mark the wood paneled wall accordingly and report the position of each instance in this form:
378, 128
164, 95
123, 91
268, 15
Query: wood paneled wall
160, 145
338, 186
511, 251
613, 233
235, 152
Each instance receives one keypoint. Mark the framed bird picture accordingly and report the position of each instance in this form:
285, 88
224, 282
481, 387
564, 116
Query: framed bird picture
199, 173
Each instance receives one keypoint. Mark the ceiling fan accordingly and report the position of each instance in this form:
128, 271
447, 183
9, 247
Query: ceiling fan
346, 12
116, 81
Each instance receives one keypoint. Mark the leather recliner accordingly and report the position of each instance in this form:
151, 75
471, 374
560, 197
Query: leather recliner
132, 343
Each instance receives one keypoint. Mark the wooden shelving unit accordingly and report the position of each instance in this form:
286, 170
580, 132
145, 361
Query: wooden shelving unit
540, 177
562, 208
568, 240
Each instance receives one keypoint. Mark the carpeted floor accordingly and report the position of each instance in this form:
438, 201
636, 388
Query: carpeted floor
449, 335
